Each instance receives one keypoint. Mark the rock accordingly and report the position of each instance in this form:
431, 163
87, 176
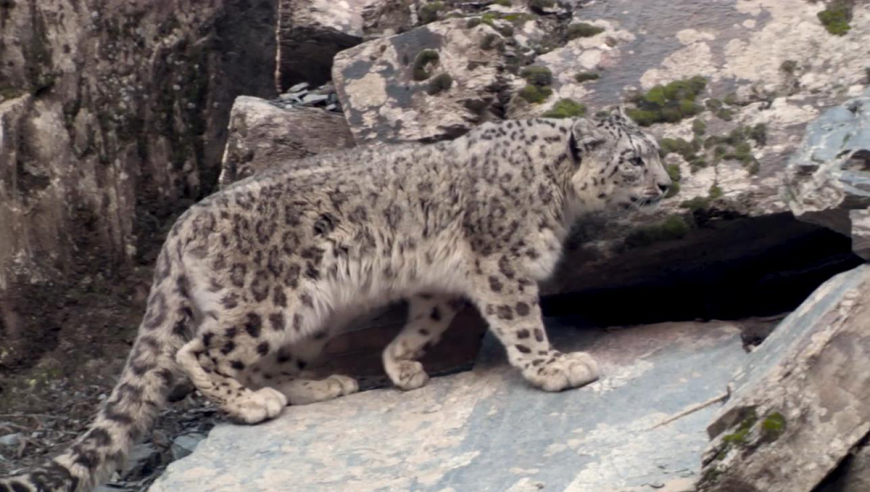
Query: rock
263, 135
828, 179
803, 399
185, 444
388, 17
310, 33
114, 117
434, 82
860, 232
853, 474
141, 462
11, 440
488, 430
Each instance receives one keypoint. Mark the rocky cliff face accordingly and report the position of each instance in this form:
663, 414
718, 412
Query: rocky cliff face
113, 117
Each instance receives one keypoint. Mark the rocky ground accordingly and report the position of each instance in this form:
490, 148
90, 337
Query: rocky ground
142, 103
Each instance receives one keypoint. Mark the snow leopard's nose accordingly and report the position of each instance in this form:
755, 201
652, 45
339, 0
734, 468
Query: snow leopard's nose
664, 187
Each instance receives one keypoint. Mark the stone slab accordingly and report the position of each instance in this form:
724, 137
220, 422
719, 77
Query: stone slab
802, 402
487, 430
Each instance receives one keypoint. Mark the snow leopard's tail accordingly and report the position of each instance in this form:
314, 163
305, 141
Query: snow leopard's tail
130, 410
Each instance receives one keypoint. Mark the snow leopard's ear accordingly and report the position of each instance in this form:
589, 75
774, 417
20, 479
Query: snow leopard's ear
620, 110
586, 136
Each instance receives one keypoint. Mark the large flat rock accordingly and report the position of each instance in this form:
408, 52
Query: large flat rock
803, 399
640, 428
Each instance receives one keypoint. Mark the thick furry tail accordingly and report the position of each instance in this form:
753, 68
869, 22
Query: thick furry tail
129, 412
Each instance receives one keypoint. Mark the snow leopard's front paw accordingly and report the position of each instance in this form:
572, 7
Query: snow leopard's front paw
342, 385
407, 374
562, 371
254, 407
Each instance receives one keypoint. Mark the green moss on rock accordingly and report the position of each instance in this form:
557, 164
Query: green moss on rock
535, 94
669, 103
541, 5
586, 77
566, 108
439, 83
540, 76
11, 93
423, 59
836, 17
789, 66
583, 30
490, 41
773, 426
429, 12
740, 434
672, 228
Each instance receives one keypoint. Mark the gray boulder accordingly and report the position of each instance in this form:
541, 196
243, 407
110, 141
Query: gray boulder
828, 179
310, 33
803, 399
263, 134
640, 428
433, 82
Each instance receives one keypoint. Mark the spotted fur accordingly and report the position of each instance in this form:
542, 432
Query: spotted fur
253, 281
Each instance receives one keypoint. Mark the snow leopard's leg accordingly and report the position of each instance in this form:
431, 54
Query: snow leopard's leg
302, 391
508, 301
284, 371
428, 317
214, 360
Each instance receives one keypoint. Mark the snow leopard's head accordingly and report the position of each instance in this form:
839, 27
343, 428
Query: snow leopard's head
617, 164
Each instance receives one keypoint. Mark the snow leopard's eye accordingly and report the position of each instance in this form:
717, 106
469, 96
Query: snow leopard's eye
637, 161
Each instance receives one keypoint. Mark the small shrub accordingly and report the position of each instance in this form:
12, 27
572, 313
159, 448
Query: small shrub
836, 17
668, 103
673, 227
566, 108
423, 59
439, 83
429, 12
789, 66
541, 5
583, 30
586, 77
535, 94
540, 76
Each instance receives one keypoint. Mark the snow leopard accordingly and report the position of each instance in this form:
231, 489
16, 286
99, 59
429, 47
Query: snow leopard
254, 280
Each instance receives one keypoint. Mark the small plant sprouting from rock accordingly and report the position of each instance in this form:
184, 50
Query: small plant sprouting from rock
717, 107
503, 3
535, 94
539, 80
669, 103
738, 437
676, 176
687, 150
566, 108
439, 83
541, 6
423, 59
539, 76
10, 93
789, 67
837, 16
773, 426
699, 127
583, 30
672, 228
473, 22
586, 77
429, 12
490, 41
